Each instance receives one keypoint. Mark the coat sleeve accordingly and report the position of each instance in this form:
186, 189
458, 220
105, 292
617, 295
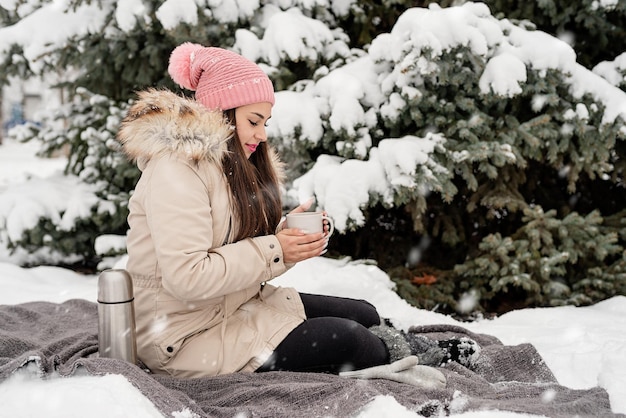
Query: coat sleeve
180, 218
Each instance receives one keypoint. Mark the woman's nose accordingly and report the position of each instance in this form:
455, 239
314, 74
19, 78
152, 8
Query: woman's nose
261, 134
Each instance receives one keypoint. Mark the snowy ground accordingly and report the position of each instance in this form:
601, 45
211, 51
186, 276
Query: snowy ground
584, 347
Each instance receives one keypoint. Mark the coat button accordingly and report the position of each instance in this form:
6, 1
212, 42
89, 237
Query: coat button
276, 260
271, 245
170, 349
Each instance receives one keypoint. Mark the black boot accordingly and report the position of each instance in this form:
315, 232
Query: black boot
464, 351
430, 352
397, 346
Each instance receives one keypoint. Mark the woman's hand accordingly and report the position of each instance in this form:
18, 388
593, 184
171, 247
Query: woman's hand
298, 246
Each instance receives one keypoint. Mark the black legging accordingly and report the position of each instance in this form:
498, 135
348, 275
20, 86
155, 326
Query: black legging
333, 338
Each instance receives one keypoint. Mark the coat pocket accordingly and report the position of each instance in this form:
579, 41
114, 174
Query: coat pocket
182, 327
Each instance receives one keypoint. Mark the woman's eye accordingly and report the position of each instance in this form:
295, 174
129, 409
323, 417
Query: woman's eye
256, 123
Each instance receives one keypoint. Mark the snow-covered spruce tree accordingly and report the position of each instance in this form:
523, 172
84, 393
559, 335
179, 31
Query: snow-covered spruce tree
595, 29
86, 128
463, 129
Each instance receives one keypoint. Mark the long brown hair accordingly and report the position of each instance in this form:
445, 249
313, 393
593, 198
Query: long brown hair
254, 187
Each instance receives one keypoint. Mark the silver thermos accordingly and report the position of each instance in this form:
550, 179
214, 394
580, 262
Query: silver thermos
116, 316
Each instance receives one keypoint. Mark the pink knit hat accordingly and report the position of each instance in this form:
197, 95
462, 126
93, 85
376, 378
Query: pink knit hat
222, 79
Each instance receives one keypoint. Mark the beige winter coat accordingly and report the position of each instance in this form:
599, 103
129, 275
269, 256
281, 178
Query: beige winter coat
202, 305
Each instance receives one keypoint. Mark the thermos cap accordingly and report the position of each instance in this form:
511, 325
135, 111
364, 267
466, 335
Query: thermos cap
115, 286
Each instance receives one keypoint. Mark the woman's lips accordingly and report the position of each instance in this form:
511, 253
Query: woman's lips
251, 147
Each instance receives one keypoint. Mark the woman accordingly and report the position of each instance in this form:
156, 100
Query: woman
203, 242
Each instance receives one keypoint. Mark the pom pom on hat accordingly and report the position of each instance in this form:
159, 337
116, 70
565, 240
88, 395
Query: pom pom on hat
222, 79
180, 64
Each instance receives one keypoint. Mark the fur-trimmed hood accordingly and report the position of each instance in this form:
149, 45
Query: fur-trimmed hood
161, 122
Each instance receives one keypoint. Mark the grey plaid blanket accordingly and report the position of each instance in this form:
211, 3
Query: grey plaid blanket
63, 337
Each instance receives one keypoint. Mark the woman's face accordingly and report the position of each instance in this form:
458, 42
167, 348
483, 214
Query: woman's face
250, 125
